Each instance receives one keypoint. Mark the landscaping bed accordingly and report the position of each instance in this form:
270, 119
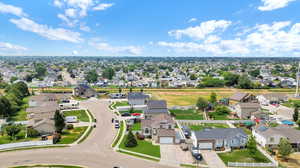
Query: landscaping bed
144, 147
207, 125
70, 136
119, 104
190, 114
80, 114
243, 155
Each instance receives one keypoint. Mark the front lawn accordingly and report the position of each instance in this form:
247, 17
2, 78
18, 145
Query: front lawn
70, 136
119, 104
20, 137
190, 114
243, 155
291, 103
136, 126
144, 147
207, 125
21, 115
80, 114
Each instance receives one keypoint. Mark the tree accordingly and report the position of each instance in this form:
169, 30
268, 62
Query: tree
231, 79
32, 133
222, 110
284, 147
108, 73
202, 103
251, 146
298, 122
130, 140
40, 70
12, 131
130, 89
212, 82
142, 90
193, 77
92, 76
5, 107
254, 73
59, 121
213, 98
120, 90
245, 83
296, 114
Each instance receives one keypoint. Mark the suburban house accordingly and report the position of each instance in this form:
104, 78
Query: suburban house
272, 98
155, 107
85, 91
69, 104
241, 97
44, 126
137, 98
117, 95
218, 138
246, 110
270, 136
160, 127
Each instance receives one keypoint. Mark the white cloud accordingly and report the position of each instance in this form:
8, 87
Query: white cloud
200, 32
269, 5
45, 31
71, 12
192, 20
4, 8
11, 47
84, 27
278, 38
131, 50
103, 6
67, 21
75, 52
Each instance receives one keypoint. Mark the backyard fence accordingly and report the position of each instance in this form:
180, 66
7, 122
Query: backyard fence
239, 164
25, 144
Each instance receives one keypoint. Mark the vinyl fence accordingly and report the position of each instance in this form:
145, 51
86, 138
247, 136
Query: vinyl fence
25, 144
239, 164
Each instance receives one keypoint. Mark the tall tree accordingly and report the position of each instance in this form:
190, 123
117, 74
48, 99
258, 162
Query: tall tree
245, 83
59, 122
92, 76
12, 131
231, 79
108, 73
202, 103
284, 148
5, 107
213, 98
296, 114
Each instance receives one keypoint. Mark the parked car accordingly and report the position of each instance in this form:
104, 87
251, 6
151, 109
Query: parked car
125, 114
186, 131
197, 156
117, 125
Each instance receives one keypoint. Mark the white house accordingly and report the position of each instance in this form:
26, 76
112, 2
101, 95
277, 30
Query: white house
69, 104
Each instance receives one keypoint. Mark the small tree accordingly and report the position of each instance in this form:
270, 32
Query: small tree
213, 98
296, 114
130, 140
12, 131
142, 90
130, 89
202, 104
284, 148
32, 133
251, 146
59, 122
120, 90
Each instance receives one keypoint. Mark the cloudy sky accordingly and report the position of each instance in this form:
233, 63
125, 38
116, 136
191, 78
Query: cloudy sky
150, 27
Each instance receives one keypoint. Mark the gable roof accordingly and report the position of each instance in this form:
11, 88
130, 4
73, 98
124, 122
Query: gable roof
219, 133
238, 96
157, 104
291, 134
137, 95
249, 105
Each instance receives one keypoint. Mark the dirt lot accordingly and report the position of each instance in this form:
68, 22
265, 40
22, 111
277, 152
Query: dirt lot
293, 162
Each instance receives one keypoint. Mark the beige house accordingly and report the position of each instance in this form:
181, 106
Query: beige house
246, 110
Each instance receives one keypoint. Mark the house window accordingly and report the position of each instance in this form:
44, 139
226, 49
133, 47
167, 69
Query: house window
146, 130
272, 139
170, 126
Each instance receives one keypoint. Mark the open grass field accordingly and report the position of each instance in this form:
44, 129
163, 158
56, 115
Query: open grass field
243, 155
143, 147
207, 125
187, 114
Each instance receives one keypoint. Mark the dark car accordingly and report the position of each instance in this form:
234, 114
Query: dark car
117, 125
125, 114
197, 156
186, 131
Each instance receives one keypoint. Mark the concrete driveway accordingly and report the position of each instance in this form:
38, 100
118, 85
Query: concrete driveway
94, 152
212, 159
173, 155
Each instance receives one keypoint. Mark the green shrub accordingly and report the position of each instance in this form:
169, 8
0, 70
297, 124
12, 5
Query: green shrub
32, 133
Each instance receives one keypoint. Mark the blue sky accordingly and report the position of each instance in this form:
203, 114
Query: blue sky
150, 28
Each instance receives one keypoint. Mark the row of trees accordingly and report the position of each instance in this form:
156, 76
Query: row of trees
13, 99
92, 76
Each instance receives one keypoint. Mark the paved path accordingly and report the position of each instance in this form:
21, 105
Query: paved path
94, 152
212, 159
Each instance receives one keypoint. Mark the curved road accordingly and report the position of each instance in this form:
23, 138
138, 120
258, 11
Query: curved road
94, 152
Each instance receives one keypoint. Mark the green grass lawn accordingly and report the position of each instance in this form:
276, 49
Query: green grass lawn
21, 115
273, 124
243, 155
70, 136
119, 135
81, 115
119, 104
136, 126
207, 125
291, 103
47, 166
143, 147
133, 111
5, 139
187, 114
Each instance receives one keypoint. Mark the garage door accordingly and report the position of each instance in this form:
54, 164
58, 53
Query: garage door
205, 145
166, 140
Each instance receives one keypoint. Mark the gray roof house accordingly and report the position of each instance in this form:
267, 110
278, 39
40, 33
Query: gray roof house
241, 97
156, 107
246, 110
85, 91
219, 138
137, 98
160, 127
270, 136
